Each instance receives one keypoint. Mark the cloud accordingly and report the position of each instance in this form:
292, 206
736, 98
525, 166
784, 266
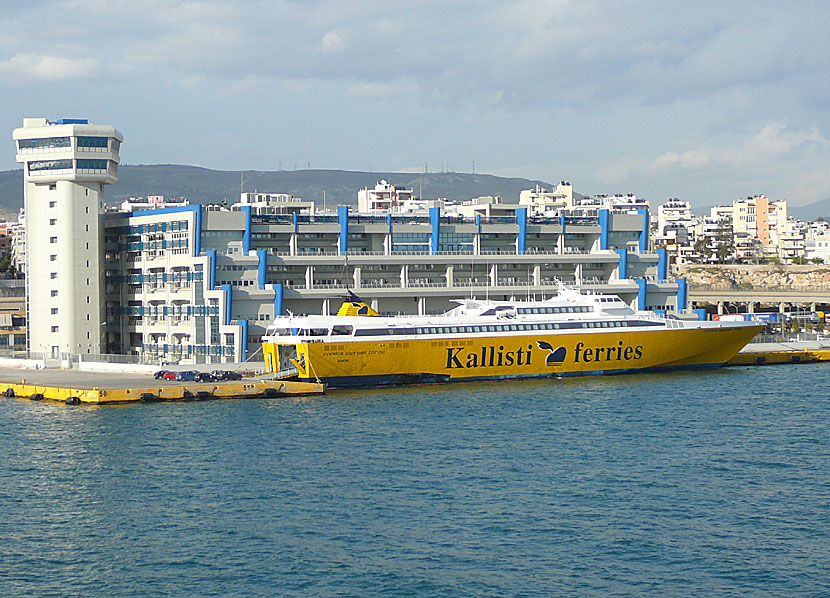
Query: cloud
381, 90
332, 42
40, 67
773, 142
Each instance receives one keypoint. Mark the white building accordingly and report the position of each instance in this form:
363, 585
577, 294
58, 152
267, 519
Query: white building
152, 202
273, 203
541, 202
66, 165
385, 197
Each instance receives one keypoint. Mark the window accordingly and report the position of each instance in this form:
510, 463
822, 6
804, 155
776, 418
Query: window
54, 311
87, 228
53, 257
53, 239
53, 275
53, 221
87, 209
54, 293
52, 204
54, 328
93, 142
41, 165
44, 143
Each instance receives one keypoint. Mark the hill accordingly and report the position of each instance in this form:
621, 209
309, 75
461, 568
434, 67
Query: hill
817, 209
202, 185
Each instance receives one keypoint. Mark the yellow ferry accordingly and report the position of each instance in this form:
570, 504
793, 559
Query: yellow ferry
570, 334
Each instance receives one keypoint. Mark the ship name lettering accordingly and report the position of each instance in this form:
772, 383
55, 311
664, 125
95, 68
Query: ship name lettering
619, 353
490, 356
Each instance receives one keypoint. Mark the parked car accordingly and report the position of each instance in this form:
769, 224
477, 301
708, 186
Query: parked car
205, 377
168, 375
159, 374
226, 375
187, 376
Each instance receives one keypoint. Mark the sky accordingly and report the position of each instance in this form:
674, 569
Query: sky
706, 101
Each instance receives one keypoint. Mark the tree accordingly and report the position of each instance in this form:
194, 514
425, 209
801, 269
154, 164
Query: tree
702, 248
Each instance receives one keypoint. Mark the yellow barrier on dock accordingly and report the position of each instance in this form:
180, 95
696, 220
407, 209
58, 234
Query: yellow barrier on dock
198, 391
780, 357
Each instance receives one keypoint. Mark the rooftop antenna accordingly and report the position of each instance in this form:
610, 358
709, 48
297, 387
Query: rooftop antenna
241, 182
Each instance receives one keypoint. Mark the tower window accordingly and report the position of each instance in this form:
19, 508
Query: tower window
53, 221
54, 293
53, 257
54, 311
52, 203
54, 328
53, 275
53, 239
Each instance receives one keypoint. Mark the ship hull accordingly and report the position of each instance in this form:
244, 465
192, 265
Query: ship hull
431, 360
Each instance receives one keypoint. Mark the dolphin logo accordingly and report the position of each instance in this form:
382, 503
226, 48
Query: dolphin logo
556, 356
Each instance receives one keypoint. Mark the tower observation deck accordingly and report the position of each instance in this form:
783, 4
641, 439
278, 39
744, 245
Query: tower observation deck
66, 165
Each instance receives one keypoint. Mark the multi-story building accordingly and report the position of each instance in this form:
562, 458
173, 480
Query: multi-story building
151, 202
200, 283
66, 165
385, 197
18, 242
541, 202
273, 203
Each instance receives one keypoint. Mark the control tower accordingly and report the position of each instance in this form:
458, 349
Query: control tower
66, 165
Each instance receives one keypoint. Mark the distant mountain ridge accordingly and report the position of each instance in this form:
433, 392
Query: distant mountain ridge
203, 185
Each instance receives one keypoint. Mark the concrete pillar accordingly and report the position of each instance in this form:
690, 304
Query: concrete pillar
326, 307
720, 308
750, 308
537, 275
494, 275
560, 244
449, 277
356, 276
422, 306
309, 277
387, 244
404, 276
292, 244
578, 274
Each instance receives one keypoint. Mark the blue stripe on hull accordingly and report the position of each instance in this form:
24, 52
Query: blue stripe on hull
399, 379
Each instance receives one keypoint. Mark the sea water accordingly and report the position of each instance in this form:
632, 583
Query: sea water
707, 484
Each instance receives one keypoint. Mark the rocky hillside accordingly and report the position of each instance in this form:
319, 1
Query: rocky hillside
756, 277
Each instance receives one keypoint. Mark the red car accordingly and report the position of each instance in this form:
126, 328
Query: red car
170, 375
